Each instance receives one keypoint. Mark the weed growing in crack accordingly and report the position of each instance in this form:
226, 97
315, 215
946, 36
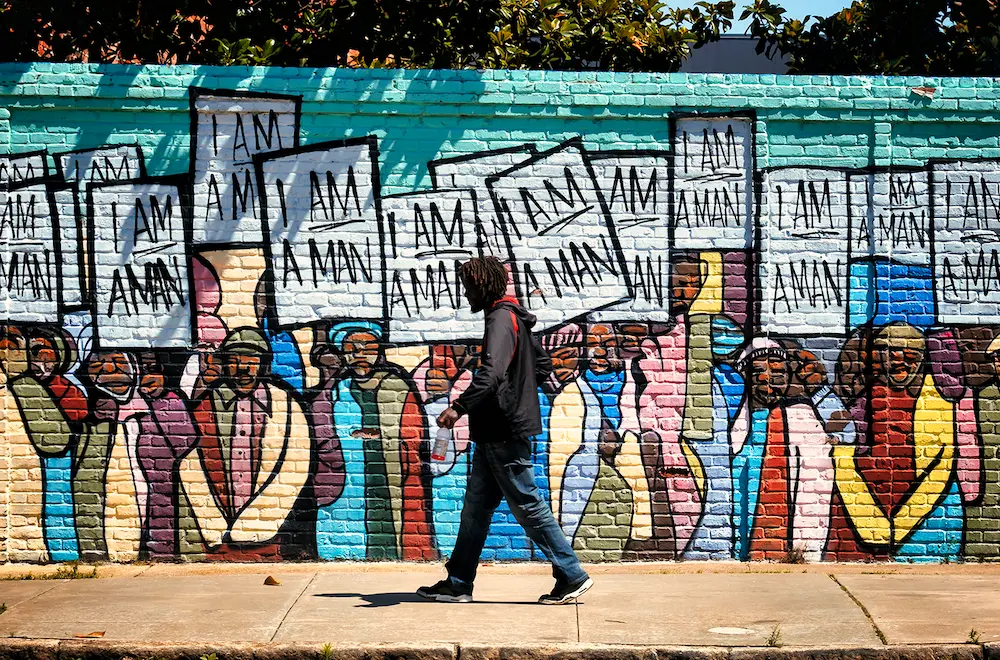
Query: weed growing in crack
774, 639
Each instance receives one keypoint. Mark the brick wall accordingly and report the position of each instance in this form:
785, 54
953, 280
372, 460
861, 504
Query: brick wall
232, 311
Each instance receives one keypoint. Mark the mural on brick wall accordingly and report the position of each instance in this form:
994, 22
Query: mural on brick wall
247, 361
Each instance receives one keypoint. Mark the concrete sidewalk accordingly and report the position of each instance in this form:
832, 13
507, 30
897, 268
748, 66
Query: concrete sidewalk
634, 607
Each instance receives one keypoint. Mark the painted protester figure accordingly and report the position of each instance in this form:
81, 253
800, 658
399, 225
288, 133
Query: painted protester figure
674, 360
440, 380
383, 430
625, 452
982, 527
573, 430
334, 518
241, 481
792, 506
203, 368
110, 379
53, 410
912, 399
714, 536
13, 360
604, 375
23, 489
115, 375
165, 431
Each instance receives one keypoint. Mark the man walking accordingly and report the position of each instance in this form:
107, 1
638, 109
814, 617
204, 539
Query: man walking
502, 404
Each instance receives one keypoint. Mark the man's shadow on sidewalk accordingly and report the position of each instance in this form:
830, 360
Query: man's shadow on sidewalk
396, 598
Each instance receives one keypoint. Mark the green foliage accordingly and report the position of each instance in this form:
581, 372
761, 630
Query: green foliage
974, 637
209, 656
3, 608
889, 37
244, 53
620, 35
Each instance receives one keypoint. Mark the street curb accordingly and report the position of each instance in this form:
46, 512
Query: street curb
81, 649
96, 649
602, 652
900, 652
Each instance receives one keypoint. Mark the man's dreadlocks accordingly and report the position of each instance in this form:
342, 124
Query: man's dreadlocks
487, 276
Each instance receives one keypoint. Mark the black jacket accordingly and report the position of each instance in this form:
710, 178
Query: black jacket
502, 401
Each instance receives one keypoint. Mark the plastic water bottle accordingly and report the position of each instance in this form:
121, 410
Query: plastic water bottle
441, 441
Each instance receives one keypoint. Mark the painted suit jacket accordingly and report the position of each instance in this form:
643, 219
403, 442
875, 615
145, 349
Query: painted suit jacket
280, 460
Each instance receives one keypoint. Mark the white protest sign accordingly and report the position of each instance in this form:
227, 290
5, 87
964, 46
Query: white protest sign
901, 218
80, 168
30, 260
805, 240
229, 129
431, 235
325, 231
967, 241
565, 254
713, 183
635, 188
141, 283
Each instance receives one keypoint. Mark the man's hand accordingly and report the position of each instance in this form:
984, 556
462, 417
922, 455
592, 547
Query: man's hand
447, 419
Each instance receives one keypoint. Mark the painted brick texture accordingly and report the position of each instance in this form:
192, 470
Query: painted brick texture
232, 311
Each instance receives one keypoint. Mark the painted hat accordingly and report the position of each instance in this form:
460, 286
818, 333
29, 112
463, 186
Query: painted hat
246, 341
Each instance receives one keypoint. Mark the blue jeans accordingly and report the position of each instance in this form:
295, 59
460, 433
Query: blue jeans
504, 470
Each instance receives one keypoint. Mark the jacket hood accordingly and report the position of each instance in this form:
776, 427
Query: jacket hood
513, 305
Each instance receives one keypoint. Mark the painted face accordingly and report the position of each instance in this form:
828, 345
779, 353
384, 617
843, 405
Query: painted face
152, 385
437, 381
602, 350
685, 285
13, 351
243, 372
565, 363
324, 355
211, 368
112, 372
361, 351
43, 357
630, 336
901, 364
769, 380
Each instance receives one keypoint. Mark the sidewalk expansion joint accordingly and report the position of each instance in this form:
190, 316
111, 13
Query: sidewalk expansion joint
294, 603
576, 610
868, 615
